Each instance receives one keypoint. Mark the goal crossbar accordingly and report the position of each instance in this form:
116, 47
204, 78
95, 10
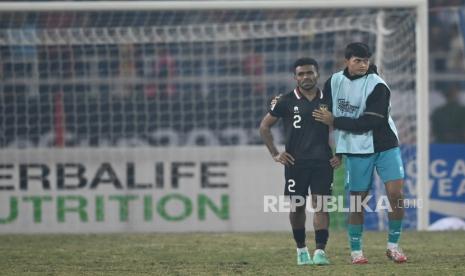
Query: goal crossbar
201, 5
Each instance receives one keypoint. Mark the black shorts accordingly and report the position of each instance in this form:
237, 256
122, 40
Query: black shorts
316, 175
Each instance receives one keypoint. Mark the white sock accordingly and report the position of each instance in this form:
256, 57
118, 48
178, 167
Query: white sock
391, 245
319, 250
303, 249
356, 253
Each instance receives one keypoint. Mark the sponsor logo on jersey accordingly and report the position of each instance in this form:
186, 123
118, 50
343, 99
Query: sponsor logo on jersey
345, 106
323, 107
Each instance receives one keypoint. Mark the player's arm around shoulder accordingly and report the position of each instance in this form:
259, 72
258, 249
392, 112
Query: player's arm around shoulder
327, 87
374, 115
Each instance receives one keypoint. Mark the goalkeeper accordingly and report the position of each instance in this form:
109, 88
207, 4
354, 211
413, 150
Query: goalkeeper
365, 133
307, 158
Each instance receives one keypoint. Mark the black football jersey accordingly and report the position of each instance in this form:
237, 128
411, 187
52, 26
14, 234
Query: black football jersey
305, 138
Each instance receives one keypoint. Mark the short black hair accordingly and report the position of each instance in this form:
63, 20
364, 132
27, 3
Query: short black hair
305, 61
357, 49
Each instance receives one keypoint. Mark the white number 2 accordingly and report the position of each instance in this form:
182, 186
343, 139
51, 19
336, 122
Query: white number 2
297, 120
291, 185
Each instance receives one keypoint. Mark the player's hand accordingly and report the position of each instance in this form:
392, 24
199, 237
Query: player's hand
284, 158
335, 161
323, 116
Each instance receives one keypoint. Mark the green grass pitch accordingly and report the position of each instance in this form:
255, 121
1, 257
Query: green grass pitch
430, 253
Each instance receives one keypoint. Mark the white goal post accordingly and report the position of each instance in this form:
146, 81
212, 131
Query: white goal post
420, 8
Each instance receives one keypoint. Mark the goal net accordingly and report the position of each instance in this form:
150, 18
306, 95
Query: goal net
84, 83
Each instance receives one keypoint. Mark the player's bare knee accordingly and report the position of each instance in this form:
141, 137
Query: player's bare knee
321, 213
298, 204
396, 195
298, 209
317, 201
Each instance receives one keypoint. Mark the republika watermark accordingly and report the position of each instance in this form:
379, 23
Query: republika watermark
273, 203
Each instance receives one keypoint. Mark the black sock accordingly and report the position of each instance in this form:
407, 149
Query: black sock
299, 237
321, 238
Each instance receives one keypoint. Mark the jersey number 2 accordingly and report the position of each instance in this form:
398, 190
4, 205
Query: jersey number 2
291, 185
297, 120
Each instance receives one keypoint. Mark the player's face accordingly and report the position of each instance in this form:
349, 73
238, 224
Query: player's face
357, 66
306, 77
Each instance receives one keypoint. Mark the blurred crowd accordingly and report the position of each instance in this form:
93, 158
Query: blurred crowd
447, 68
446, 35
108, 90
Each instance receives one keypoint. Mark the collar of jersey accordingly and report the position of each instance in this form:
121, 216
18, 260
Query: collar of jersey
299, 95
371, 70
